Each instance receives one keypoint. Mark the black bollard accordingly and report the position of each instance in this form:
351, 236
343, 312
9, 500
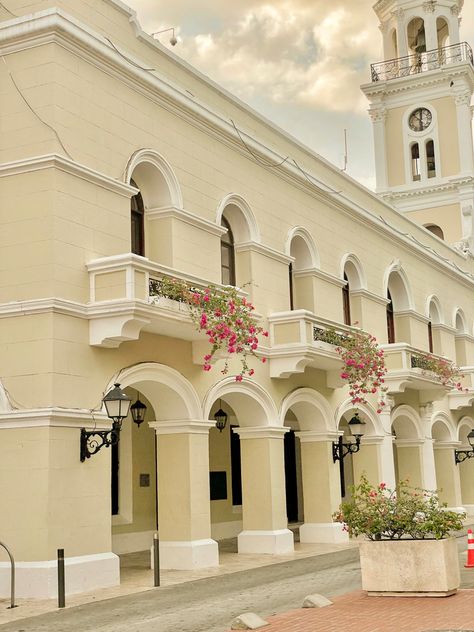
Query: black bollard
61, 584
156, 559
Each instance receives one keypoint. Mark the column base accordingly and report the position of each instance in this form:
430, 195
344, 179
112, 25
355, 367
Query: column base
187, 555
39, 580
469, 509
324, 532
270, 542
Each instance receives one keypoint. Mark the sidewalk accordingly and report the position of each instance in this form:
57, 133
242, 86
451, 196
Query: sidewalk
356, 612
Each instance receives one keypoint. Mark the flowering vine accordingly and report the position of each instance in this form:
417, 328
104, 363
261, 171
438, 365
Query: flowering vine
364, 364
449, 374
226, 318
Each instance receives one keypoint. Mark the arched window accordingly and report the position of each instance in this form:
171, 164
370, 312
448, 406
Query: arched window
137, 222
346, 301
227, 255
430, 159
390, 320
436, 230
442, 29
415, 162
430, 337
290, 281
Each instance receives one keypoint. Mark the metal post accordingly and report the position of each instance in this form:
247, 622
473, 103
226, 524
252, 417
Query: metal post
61, 584
12, 577
156, 559
341, 468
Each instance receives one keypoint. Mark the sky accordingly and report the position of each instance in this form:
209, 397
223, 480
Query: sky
298, 62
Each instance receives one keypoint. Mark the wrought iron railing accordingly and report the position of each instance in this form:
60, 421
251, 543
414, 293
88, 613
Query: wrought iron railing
331, 336
422, 62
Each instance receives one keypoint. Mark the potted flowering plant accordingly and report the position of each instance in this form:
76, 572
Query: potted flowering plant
409, 548
224, 316
448, 373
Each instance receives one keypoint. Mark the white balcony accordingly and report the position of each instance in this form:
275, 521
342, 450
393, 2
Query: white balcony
464, 398
297, 341
405, 370
125, 300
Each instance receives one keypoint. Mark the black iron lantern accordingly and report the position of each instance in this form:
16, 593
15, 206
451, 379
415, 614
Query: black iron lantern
221, 418
117, 405
340, 449
462, 455
138, 410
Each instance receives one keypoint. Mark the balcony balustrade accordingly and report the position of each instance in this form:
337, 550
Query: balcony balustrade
408, 367
422, 62
464, 398
299, 340
127, 297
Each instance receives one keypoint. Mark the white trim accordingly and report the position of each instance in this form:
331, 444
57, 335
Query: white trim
313, 436
188, 555
329, 532
320, 274
54, 418
123, 543
185, 216
184, 426
263, 432
39, 580
55, 161
271, 253
278, 542
152, 157
370, 296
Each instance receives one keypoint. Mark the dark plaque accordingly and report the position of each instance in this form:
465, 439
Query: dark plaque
218, 484
144, 480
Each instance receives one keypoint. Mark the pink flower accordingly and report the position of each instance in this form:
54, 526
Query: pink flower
344, 376
238, 378
382, 485
207, 367
251, 372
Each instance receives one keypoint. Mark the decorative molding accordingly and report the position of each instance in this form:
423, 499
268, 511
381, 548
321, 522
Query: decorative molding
185, 216
55, 161
320, 274
378, 115
429, 6
266, 251
54, 418
182, 426
370, 296
261, 432
463, 98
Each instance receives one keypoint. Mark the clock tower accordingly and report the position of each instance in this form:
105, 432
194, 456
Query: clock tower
420, 106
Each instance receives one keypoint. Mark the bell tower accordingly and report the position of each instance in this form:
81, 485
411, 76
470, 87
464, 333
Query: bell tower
420, 106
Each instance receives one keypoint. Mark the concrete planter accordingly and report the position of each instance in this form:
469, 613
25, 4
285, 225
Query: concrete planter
410, 567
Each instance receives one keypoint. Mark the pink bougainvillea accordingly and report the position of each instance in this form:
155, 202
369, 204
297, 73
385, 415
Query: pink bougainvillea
364, 367
448, 373
224, 316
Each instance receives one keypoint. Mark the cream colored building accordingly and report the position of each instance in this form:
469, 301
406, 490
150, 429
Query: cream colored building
99, 125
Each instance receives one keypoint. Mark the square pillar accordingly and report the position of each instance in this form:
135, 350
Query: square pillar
466, 475
375, 460
410, 462
447, 474
265, 526
184, 514
321, 488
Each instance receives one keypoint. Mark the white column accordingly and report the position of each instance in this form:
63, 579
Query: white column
429, 478
464, 120
466, 475
265, 524
447, 474
378, 114
386, 463
184, 516
321, 488
401, 33
431, 32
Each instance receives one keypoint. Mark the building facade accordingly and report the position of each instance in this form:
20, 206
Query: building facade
121, 166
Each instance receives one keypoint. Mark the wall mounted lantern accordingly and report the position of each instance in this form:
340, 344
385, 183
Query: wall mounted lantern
340, 449
221, 418
117, 405
462, 455
138, 411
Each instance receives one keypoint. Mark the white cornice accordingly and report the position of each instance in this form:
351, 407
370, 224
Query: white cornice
187, 217
324, 276
55, 161
266, 251
370, 296
54, 418
54, 25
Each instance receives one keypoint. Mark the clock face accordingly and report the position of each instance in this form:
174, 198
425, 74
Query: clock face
420, 119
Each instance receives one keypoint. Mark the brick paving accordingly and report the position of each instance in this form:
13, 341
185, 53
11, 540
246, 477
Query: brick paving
356, 612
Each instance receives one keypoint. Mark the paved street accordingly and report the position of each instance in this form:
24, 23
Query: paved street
209, 605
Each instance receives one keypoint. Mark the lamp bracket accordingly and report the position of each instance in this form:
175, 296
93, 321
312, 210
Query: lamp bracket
463, 455
340, 450
94, 440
